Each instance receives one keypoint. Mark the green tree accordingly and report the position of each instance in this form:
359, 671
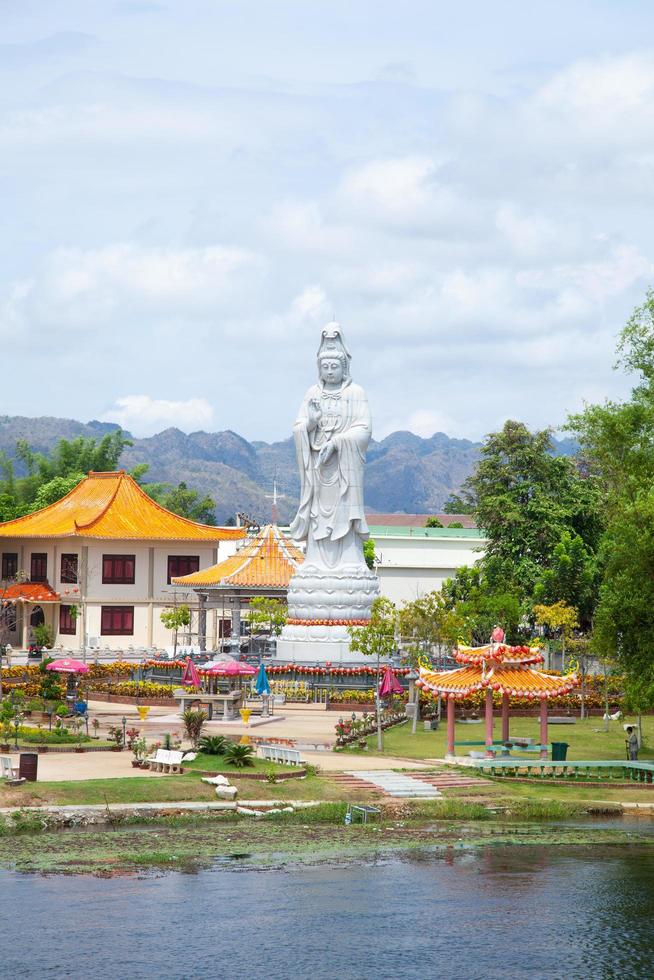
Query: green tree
433, 522
429, 622
457, 504
479, 607
49, 478
56, 488
267, 615
369, 553
617, 443
560, 619
572, 578
377, 639
183, 501
174, 619
525, 499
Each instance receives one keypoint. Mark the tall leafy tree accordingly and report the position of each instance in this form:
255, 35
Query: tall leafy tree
184, 501
617, 440
526, 499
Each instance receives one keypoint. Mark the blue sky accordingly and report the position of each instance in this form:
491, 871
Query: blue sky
190, 190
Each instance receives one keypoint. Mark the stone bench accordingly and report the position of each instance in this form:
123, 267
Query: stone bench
280, 754
166, 760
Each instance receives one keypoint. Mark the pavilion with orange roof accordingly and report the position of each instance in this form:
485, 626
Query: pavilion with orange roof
105, 553
508, 671
263, 566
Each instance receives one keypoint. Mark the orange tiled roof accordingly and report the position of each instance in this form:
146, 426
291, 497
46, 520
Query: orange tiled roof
111, 505
266, 561
28, 592
514, 679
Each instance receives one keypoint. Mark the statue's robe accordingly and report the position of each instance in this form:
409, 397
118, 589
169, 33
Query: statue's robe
331, 517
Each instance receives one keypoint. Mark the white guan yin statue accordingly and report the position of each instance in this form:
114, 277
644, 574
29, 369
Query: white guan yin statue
334, 588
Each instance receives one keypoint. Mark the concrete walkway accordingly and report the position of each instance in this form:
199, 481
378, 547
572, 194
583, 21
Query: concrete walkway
397, 784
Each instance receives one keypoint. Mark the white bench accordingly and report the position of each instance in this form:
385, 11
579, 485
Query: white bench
166, 760
281, 754
7, 769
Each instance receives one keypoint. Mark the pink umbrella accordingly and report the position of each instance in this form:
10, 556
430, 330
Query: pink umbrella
389, 684
68, 666
190, 675
230, 668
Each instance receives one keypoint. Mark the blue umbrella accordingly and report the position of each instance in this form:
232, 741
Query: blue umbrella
261, 684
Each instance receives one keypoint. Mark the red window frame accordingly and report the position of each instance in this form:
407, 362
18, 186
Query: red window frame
118, 569
67, 625
39, 566
117, 621
69, 569
9, 565
179, 565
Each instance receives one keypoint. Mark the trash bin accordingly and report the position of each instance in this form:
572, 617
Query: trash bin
559, 751
28, 766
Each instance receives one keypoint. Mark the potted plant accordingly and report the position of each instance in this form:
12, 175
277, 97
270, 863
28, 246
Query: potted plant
6, 736
96, 726
139, 748
115, 733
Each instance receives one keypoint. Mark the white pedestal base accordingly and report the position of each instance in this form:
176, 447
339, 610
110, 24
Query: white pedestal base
309, 651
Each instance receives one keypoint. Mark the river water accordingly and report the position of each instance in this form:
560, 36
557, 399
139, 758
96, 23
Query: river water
576, 912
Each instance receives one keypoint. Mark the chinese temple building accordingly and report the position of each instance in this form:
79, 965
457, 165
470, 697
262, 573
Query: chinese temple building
103, 556
263, 566
508, 671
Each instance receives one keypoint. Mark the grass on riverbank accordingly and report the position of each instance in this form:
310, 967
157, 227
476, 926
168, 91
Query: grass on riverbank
194, 842
587, 739
172, 789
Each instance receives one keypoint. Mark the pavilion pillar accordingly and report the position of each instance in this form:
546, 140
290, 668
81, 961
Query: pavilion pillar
450, 727
543, 728
236, 621
505, 717
26, 610
489, 723
202, 622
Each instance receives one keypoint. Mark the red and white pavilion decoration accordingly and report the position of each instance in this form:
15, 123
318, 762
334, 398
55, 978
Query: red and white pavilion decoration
496, 668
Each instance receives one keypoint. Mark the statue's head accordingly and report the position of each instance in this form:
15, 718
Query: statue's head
333, 356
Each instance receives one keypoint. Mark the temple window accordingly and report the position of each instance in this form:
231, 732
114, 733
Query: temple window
9, 565
69, 569
67, 622
39, 567
179, 565
117, 621
118, 569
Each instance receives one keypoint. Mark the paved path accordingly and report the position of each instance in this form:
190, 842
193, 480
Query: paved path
427, 785
396, 784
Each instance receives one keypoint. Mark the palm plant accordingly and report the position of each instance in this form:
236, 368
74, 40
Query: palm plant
239, 755
213, 744
193, 723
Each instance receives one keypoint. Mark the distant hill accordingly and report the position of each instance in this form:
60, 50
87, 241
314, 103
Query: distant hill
404, 473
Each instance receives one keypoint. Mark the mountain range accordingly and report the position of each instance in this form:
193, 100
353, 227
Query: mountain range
404, 472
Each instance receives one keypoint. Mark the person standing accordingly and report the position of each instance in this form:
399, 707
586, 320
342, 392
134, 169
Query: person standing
632, 744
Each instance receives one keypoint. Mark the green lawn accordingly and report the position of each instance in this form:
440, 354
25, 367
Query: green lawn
172, 789
587, 739
218, 763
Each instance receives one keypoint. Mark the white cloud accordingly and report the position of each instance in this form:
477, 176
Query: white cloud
600, 92
143, 415
116, 284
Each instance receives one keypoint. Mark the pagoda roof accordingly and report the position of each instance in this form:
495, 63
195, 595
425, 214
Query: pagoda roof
266, 561
502, 668
28, 592
112, 506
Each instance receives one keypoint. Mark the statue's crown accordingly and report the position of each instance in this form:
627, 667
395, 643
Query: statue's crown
332, 342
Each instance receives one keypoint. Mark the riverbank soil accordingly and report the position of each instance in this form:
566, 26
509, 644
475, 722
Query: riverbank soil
193, 842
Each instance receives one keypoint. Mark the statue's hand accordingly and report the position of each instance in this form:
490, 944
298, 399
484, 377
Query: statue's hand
326, 453
315, 413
